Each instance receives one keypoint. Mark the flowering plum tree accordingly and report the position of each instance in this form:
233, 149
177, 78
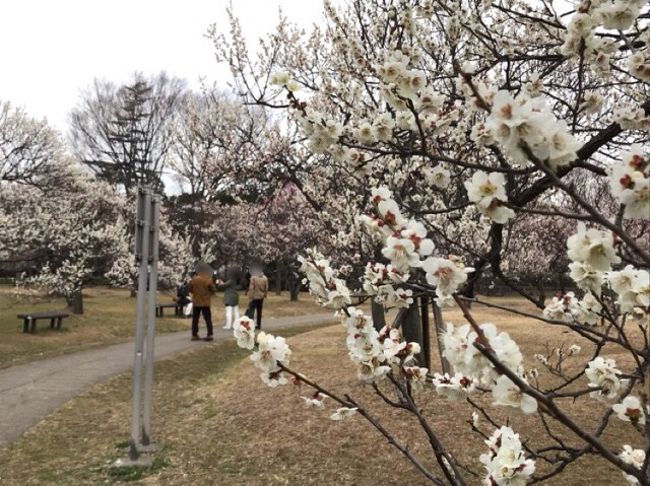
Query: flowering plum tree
65, 234
443, 125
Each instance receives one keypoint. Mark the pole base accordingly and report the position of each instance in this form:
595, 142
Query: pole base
142, 461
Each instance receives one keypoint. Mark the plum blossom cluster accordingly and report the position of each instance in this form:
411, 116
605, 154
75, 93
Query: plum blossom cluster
447, 275
634, 457
630, 183
380, 281
328, 290
407, 245
506, 462
568, 308
582, 39
525, 126
593, 254
377, 353
632, 286
488, 192
271, 351
604, 377
470, 365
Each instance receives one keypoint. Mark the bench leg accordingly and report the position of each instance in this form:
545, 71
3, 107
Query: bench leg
162, 312
58, 322
52, 322
33, 326
25, 325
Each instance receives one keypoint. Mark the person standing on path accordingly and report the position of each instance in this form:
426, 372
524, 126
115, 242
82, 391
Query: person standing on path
230, 297
257, 290
202, 288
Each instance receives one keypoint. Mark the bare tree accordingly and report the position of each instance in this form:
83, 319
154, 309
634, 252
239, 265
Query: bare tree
122, 133
27, 145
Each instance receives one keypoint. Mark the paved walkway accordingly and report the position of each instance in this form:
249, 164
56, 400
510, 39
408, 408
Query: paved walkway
30, 392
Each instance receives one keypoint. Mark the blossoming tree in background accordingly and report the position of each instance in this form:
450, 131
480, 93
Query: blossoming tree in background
446, 125
67, 230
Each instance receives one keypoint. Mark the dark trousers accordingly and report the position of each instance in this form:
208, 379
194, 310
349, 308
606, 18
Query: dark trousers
255, 307
207, 315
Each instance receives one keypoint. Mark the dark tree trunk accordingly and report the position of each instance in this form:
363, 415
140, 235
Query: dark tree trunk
75, 302
293, 282
278, 281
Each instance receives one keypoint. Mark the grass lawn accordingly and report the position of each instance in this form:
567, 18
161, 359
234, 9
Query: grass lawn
109, 318
221, 426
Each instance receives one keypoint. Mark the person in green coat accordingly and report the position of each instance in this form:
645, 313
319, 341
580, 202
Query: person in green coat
230, 297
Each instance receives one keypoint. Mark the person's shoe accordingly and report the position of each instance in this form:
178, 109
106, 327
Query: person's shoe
196, 338
226, 327
209, 338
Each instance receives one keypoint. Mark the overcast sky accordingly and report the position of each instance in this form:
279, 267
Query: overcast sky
51, 49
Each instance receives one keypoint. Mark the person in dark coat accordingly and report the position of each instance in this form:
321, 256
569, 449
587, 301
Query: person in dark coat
230, 297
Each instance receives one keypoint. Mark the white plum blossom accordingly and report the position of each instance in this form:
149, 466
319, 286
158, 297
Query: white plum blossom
603, 374
562, 308
630, 183
343, 413
525, 120
588, 310
506, 393
447, 274
339, 295
438, 176
459, 350
585, 277
315, 401
280, 78
506, 462
634, 457
593, 247
632, 287
271, 351
244, 332
417, 233
618, 14
639, 63
402, 253
454, 388
416, 375
488, 192
630, 410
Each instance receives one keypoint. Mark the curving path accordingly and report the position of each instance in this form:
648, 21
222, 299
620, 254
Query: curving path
31, 391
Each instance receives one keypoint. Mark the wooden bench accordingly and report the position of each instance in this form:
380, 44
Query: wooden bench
160, 308
29, 319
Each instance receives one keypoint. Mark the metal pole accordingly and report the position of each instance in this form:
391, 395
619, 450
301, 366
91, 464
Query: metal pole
151, 321
143, 219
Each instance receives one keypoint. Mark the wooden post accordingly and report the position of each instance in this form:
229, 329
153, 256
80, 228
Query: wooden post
378, 314
440, 329
426, 334
412, 329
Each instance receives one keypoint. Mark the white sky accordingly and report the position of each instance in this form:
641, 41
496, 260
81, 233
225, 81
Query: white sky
51, 49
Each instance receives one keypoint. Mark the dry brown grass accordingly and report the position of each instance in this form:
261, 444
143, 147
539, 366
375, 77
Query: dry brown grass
223, 427
108, 319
